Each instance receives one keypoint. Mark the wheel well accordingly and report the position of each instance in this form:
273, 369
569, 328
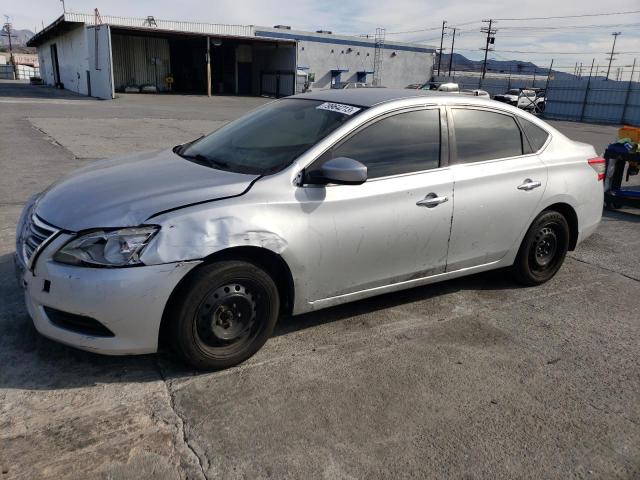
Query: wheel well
271, 262
572, 219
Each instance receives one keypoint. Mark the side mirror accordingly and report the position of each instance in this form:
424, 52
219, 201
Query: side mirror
341, 171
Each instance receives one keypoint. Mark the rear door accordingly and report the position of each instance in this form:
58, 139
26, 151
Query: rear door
497, 186
100, 72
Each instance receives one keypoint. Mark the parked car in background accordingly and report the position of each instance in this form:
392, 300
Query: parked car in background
527, 99
477, 93
310, 201
454, 88
414, 86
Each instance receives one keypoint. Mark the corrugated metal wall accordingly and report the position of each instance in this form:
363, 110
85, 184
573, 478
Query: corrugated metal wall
594, 100
140, 61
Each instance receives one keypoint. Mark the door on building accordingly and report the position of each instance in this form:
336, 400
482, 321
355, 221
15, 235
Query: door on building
55, 65
244, 78
100, 63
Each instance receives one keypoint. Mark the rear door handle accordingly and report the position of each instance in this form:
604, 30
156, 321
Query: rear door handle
432, 200
529, 185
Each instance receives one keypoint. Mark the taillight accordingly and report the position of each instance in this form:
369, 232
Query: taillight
598, 165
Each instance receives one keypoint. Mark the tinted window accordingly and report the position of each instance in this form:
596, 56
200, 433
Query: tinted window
269, 138
483, 135
402, 143
536, 135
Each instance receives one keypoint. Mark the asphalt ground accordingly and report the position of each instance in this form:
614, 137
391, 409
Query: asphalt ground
470, 378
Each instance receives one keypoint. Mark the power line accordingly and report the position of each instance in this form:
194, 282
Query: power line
570, 16
566, 27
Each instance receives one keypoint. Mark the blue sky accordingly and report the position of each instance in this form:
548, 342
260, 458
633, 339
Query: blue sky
357, 17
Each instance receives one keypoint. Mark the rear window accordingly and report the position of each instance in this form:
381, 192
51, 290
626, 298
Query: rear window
537, 136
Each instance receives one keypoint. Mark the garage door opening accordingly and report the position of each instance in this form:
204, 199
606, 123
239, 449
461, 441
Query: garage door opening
178, 63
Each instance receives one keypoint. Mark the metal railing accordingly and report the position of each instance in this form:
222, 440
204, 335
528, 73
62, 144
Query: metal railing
158, 24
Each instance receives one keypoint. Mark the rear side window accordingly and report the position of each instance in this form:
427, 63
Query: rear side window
402, 143
536, 135
483, 135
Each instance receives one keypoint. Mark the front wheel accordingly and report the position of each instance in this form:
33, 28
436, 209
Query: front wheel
226, 312
543, 249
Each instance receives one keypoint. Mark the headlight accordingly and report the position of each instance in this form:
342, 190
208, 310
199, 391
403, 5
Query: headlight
116, 248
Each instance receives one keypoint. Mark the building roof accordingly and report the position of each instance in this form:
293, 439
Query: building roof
71, 20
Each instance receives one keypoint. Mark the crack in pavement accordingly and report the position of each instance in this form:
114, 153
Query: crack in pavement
604, 268
181, 421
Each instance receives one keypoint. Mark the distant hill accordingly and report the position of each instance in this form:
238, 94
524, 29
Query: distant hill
462, 63
19, 38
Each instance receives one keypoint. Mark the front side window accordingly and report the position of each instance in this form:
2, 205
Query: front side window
270, 138
484, 135
401, 143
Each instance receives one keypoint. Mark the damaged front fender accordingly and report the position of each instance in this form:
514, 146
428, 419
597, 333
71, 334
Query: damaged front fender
193, 237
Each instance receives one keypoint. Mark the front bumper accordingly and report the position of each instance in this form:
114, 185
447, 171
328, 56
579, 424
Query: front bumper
128, 301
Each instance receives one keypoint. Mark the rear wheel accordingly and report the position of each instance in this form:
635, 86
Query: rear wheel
543, 249
227, 312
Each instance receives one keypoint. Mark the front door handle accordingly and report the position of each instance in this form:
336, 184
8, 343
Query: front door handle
529, 185
432, 200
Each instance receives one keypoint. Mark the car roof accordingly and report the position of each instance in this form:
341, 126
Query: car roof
368, 97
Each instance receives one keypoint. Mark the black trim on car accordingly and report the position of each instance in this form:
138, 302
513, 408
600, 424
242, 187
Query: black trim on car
77, 323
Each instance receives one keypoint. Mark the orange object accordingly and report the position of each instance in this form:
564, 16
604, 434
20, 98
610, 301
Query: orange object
629, 132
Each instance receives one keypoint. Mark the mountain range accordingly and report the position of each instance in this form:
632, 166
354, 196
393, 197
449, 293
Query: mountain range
19, 38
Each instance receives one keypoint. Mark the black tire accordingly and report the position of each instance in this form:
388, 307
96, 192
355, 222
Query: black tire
543, 249
225, 313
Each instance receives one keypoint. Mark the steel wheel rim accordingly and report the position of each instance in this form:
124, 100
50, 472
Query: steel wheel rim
227, 319
545, 249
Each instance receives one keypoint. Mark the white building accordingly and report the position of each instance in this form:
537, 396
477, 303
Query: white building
100, 56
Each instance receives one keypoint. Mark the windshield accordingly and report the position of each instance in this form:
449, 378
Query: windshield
513, 92
270, 138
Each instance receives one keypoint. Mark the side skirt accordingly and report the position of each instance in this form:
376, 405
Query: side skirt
350, 297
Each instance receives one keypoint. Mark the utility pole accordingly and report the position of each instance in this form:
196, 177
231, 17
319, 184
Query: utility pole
444, 22
7, 32
64, 8
453, 41
490, 41
613, 49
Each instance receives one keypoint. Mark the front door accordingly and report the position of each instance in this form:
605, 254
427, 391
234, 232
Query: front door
497, 186
394, 227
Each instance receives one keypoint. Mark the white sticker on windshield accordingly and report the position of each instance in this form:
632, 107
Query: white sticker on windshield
338, 107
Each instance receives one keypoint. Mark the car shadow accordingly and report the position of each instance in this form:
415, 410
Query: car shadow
625, 214
33, 362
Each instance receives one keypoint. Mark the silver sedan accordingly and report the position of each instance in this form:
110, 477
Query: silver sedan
305, 203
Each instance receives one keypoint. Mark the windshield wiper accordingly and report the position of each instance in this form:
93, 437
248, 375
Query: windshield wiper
212, 162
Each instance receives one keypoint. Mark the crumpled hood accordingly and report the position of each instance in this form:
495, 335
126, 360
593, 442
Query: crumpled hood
126, 191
